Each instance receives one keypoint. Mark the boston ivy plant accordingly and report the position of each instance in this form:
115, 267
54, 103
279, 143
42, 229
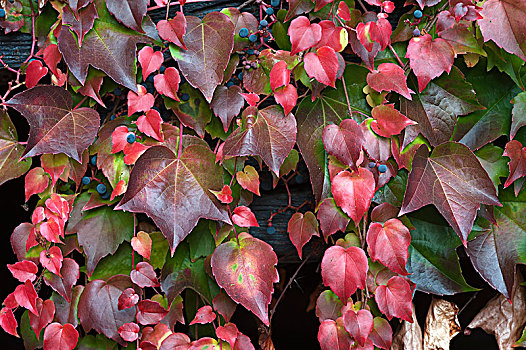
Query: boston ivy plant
151, 139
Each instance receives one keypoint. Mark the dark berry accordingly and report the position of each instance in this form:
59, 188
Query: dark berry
299, 179
263, 23
86, 180
274, 3
256, 52
2, 13
240, 76
253, 38
130, 138
185, 97
416, 32
418, 14
269, 11
117, 92
93, 160
247, 67
229, 84
382, 168
105, 195
249, 52
149, 79
271, 230
112, 117
243, 32
254, 65
372, 164
162, 69
101, 188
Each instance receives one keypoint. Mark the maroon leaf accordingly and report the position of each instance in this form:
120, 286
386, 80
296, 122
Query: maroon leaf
55, 126
34, 72
144, 276
224, 306
10, 151
394, 299
24, 270
63, 285
244, 217
127, 299
209, 43
14, 19
275, 134
344, 270
389, 244
353, 192
185, 184
46, 311
331, 218
382, 334
227, 104
82, 23
92, 88
457, 180
8, 321
52, 260
429, 58
388, 121
322, 65
517, 163
332, 335
97, 308
301, 228
142, 244
358, 324
204, 315
129, 331
26, 296
303, 34
504, 22
246, 271
128, 12
150, 312
328, 306
150, 61
167, 84
59, 337
176, 341
344, 141
173, 30
286, 96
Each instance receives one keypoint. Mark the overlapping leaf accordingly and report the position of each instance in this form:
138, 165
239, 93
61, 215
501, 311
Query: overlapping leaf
10, 151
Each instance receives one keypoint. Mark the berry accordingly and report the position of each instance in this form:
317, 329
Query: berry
388, 6
263, 23
372, 164
185, 97
418, 14
105, 195
249, 52
254, 65
101, 188
382, 168
112, 117
300, 179
2, 13
243, 32
416, 32
229, 84
162, 69
93, 160
256, 52
150, 79
253, 38
117, 92
269, 11
240, 76
247, 66
130, 138
271, 230
86, 180
274, 3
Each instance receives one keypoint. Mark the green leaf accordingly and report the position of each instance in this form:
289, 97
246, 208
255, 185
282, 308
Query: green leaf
10, 151
160, 248
393, 191
200, 240
490, 156
98, 342
522, 340
518, 112
28, 334
119, 263
505, 62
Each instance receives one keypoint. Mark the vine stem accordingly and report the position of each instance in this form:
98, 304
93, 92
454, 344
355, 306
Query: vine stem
81, 102
347, 96
362, 5
396, 56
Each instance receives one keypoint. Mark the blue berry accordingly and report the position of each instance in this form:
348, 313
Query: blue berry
372, 164
130, 138
229, 84
253, 38
101, 188
117, 92
382, 168
93, 160
105, 195
112, 117
418, 14
185, 97
271, 230
300, 179
263, 23
2, 13
162, 69
274, 3
250, 52
86, 180
243, 32
269, 11
150, 79
416, 32
240, 76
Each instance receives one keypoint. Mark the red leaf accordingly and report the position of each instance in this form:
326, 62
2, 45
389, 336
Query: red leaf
353, 192
251, 98
23, 270
142, 244
151, 338
328, 306
8, 321
249, 179
129, 12
52, 57
225, 195
389, 77
129, 331
127, 299
303, 34
382, 334
286, 96
150, 124
26, 296
132, 152
173, 30
176, 341
52, 229
46, 310
429, 58
344, 141
59, 206
331, 218
91, 88
52, 260
394, 299
150, 312
167, 84
344, 270
301, 228
227, 103
234, 337
321, 3
383, 35
322, 65
54, 165
80, 23
279, 75
388, 121
457, 181
150, 60
204, 315
247, 272
70, 275
332, 336
144, 276
332, 36
58, 337
209, 43
119, 189
55, 127
503, 21
389, 244
224, 306
36, 181
140, 101
517, 163
358, 324
118, 139
244, 217
343, 11
367, 33
34, 72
